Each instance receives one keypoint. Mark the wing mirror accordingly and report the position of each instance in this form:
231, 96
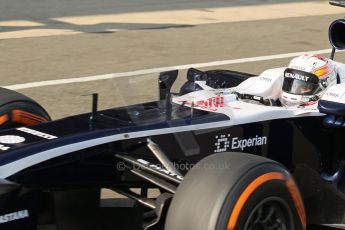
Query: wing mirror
337, 3
336, 35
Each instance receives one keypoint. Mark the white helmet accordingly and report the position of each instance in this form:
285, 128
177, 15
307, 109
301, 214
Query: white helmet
306, 79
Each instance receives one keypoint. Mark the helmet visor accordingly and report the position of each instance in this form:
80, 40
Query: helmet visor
300, 82
299, 87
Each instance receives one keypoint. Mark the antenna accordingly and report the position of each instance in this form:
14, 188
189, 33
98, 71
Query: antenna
94, 106
94, 111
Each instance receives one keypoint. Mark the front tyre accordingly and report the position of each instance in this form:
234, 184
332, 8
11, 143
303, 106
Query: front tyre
237, 191
19, 110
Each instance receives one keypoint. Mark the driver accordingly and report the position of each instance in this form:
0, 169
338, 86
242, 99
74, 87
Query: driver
306, 79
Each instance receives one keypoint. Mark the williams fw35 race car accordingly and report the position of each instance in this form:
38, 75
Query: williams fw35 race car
226, 152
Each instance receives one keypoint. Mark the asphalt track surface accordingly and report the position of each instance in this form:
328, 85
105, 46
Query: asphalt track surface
99, 45
67, 39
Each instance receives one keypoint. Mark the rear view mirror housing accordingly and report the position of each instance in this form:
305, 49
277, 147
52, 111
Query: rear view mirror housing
337, 3
337, 33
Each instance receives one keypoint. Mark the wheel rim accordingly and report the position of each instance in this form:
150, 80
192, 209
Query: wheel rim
270, 214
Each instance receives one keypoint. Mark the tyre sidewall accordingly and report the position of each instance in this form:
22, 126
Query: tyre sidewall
206, 198
24, 106
270, 189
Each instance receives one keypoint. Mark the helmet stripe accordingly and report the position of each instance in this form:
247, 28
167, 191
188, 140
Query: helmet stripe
322, 71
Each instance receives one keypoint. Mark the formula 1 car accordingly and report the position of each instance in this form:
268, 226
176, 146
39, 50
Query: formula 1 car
220, 153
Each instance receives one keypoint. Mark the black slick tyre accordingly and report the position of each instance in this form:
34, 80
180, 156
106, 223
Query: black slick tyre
236, 191
19, 110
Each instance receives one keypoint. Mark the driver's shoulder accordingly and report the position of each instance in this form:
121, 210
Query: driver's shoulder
267, 85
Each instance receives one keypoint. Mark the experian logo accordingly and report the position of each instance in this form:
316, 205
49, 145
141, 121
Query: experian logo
225, 143
14, 216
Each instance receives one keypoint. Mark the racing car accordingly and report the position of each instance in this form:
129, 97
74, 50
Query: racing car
221, 153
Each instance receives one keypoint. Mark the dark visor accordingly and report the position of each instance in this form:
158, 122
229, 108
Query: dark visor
299, 87
299, 82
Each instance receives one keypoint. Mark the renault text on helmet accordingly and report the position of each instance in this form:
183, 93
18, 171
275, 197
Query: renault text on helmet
306, 79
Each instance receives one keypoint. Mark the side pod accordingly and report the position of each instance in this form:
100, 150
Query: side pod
19, 207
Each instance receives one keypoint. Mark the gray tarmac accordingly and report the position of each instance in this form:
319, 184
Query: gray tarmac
69, 56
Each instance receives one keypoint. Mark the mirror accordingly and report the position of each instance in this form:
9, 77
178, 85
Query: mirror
337, 34
337, 3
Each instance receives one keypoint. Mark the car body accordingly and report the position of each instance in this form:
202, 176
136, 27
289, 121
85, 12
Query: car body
41, 164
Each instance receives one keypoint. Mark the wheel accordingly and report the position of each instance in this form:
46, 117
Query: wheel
19, 110
237, 191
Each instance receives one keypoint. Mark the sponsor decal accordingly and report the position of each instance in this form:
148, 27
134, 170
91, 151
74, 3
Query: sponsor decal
223, 91
296, 76
14, 216
331, 94
225, 143
267, 79
212, 104
297, 67
36, 133
4, 147
11, 139
158, 168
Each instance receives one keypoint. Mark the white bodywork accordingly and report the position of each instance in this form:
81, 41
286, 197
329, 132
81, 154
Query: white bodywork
336, 93
267, 85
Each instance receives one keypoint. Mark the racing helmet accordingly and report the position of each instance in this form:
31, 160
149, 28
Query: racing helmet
306, 79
